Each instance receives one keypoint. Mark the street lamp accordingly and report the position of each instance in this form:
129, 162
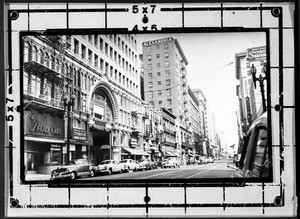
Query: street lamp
260, 79
68, 103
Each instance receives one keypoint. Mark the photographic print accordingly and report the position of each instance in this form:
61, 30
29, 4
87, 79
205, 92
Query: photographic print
151, 109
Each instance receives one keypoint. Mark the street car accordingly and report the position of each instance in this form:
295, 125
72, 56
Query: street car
129, 165
109, 167
255, 160
72, 170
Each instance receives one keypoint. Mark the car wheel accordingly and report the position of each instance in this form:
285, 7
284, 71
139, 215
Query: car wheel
73, 175
92, 173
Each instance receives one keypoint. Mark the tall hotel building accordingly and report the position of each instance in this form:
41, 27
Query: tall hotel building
165, 79
100, 75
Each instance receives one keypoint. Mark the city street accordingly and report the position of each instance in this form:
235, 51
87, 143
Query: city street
218, 169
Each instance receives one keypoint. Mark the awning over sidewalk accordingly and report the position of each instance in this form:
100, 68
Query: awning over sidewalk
48, 140
170, 154
133, 151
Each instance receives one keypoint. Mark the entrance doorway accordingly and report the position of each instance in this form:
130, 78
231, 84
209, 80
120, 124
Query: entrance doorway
101, 148
32, 162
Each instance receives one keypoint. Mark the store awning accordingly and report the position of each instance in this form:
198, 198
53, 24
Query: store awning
48, 140
170, 154
133, 151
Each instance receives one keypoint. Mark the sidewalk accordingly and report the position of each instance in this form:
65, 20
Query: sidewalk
37, 177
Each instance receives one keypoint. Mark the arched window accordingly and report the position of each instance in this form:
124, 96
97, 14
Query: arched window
78, 78
27, 52
41, 55
62, 68
52, 63
47, 59
35, 54
74, 77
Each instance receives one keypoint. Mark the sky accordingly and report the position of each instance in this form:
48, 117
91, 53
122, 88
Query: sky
211, 67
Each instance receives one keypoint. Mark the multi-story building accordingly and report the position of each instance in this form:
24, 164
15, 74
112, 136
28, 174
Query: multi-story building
204, 142
99, 74
250, 99
169, 145
165, 78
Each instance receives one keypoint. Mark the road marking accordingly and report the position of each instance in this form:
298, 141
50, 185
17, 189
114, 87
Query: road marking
205, 170
158, 174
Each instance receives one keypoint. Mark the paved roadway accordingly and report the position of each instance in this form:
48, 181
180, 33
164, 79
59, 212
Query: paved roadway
218, 169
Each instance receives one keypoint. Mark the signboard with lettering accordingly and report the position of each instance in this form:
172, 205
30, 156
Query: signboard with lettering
257, 54
149, 43
79, 134
43, 125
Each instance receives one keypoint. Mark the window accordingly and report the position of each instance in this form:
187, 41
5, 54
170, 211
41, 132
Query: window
166, 54
157, 46
76, 46
106, 49
166, 46
158, 64
157, 56
90, 56
96, 40
96, 61
101, 64
150, 75
149, 57
168, 82
158, 73
151, 103
150, 84
160, 102
159, 82
167, 63
169, 101
90, 37
159, 92
83, 51
149, 67
101, 44
167, 72
150, 94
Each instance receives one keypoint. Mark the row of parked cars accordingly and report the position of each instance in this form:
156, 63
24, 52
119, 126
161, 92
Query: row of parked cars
201, 160
81, 167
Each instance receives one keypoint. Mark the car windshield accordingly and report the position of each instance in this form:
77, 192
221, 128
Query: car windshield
105, 162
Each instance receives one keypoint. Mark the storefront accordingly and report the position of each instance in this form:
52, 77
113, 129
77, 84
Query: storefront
43, 142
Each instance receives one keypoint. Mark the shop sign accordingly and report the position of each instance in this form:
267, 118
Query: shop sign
257, 54
79, 134
45, 125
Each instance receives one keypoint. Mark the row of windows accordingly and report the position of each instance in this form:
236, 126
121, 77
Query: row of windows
169, 101
107, 49
157, 46
167, 74
149, 57
168, 82
149, 67
159, 92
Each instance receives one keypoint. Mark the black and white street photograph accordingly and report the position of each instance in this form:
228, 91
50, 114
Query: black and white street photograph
145, 106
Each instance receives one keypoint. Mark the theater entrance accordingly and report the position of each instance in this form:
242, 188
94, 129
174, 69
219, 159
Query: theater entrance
101, 149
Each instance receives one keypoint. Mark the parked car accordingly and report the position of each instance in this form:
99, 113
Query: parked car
170, 162
73, 169
146, 164
203, 160
129, 165
109, 166
255, 160
210, 160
